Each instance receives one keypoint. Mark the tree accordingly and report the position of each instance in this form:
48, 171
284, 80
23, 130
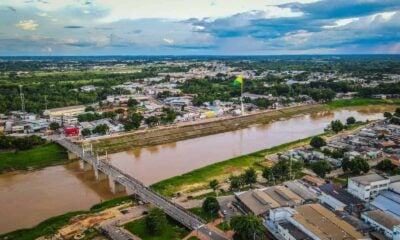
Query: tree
214, 184
346, 164
317, 142
101, 129
350, 121
86, 132
136, 120
152, 121
397, 112
359, 165
385, 165
337, 126
211, 206
132, 102
89, 109
321, 168
54, 126
120, 111
247, 227
169, 115
155, 220
267, 173
387, 115
250, 176
236, 182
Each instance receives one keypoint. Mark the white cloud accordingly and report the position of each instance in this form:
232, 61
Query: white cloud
30, 25
169, 40
341, 22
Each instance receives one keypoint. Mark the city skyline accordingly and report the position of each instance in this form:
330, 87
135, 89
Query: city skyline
214, 27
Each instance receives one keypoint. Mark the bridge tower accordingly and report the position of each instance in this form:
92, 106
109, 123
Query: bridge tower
87, 150
97, 172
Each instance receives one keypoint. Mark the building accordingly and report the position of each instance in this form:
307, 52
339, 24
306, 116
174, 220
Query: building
389, 200
310, 221
65, 111
383, 222
259, 201
368, 186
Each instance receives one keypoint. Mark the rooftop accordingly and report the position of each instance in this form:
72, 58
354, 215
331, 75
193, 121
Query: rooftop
294, 231
368, 179
386, 220
324, 224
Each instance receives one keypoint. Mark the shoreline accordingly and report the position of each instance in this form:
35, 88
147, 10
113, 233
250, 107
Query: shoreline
189, 130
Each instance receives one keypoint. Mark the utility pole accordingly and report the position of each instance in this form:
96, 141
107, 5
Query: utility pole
21, 95
45, 102
241, 97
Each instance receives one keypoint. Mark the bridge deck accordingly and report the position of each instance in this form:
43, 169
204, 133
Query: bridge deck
175, 211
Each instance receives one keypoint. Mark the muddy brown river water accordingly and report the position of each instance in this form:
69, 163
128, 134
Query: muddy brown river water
29, 198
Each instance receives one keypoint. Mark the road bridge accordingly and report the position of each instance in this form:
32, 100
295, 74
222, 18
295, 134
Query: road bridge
118, 179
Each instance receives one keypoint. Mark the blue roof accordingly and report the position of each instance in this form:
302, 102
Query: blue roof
388, 202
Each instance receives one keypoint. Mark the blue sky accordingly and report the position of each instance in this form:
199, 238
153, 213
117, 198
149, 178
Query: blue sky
183, 27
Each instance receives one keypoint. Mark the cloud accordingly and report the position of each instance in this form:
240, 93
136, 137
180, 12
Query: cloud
200, 27
73, 26
30, 25
168, 40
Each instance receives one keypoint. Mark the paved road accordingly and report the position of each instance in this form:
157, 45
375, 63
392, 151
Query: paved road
175, 211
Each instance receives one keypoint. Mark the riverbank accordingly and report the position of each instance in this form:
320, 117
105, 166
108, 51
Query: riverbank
200, 178
183, 131
357, 102
51, 225
45, 155
173, 133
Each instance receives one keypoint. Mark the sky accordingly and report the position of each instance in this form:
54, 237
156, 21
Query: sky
199, 27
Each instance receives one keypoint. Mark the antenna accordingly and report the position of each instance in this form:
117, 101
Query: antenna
21, 95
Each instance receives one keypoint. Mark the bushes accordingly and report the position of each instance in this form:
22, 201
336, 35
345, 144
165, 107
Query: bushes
24, 143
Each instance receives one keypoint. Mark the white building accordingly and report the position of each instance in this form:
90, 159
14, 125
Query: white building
383, 222
368, 186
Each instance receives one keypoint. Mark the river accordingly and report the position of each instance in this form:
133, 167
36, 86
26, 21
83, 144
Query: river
28, 198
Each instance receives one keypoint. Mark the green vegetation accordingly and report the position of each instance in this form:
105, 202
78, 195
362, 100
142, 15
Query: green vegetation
317, 142
225, 168
361, 102
321, 168
356, 166
51, 225
247, 227
206, 216
38, 157
224, 226
171, 230
20, 143
211, 206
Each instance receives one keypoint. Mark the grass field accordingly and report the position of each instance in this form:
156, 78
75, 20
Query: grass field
38, 157
172, 230
51, 225
361, 102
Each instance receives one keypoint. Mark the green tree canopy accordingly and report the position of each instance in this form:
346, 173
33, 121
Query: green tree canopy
155, 221
247, 227
211, 206
321, 168
317, 142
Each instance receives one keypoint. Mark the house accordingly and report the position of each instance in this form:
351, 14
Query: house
368, 186
388, 201
88, 88
383, 222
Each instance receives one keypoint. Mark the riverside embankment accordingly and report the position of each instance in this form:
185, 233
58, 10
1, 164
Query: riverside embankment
184, 131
